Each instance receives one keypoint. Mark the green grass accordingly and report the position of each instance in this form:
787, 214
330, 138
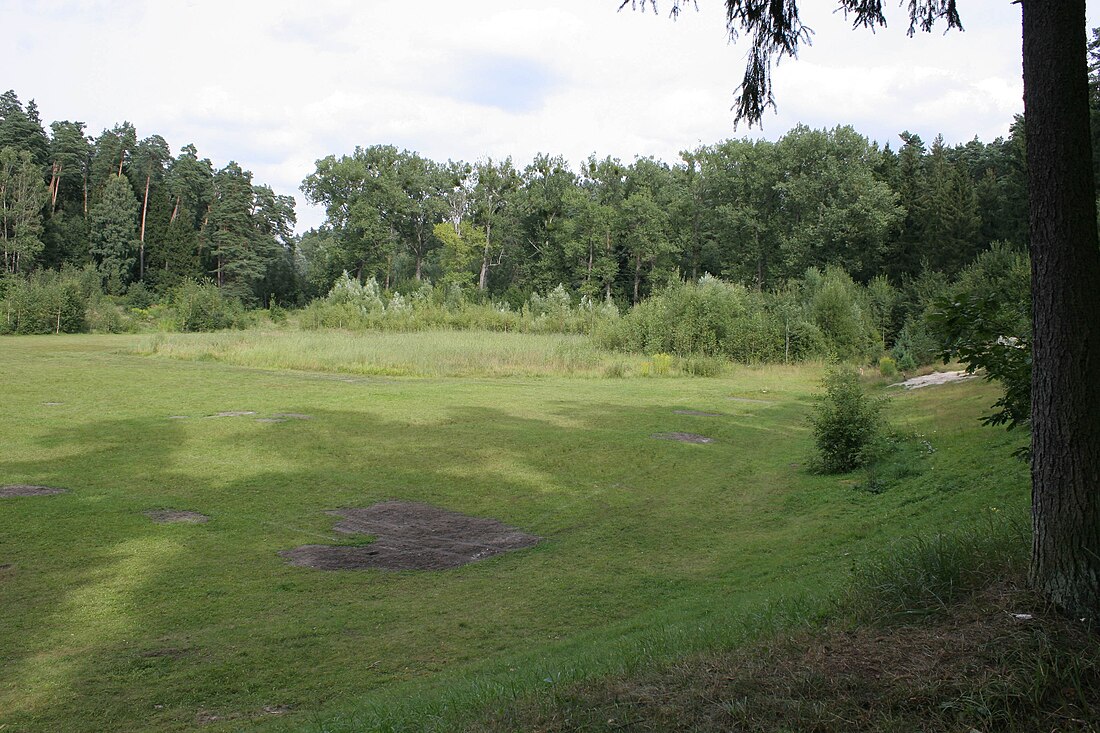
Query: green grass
652, 548
380, 353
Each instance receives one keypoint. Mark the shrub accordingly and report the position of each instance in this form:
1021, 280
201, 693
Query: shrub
839, 310
887, 367
46, 302
845, 421
201, 306
702, 366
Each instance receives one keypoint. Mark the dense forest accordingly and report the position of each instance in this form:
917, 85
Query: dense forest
128, 225
753, 212
133, 211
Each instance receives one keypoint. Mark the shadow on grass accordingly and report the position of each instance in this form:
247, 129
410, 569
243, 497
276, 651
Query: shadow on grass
174, 623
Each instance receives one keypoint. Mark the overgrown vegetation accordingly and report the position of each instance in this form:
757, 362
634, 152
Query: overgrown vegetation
985, 322
846, 422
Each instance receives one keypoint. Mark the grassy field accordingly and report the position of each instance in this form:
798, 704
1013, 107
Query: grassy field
651, 548
420, 354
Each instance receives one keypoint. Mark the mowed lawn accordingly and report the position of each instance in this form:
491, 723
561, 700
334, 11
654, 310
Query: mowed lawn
109, 621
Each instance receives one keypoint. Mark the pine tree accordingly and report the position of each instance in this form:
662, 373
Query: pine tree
112, 236
239, 264
22, 196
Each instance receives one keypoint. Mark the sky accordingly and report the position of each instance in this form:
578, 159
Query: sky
278, 84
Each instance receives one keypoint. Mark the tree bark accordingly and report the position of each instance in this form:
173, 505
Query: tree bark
607, 283
1065, 266
144, 210
637, 278
483, 278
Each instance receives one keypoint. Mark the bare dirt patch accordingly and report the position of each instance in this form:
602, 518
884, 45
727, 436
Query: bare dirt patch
698, 413
278, 417
934, 378
684, 437
176, 516
13, 490
233, 413
411, 536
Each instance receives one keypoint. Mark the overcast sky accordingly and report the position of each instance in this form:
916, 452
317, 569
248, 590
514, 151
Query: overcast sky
277, 84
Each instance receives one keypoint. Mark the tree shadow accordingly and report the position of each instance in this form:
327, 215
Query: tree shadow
172, 620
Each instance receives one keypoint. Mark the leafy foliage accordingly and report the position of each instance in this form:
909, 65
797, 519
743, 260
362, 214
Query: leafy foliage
201, 306
845, 422
985, 323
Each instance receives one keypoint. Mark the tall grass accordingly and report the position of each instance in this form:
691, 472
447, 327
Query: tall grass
422, 354
925, 574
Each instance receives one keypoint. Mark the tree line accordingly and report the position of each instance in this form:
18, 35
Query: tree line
750, 211
136, 213
753, 212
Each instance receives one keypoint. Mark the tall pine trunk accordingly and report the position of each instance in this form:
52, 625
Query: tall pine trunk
144, 209
1065, 266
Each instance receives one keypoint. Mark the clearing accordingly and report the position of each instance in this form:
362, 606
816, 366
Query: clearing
626, 548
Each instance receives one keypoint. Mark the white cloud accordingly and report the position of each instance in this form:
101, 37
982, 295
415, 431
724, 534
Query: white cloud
278, 84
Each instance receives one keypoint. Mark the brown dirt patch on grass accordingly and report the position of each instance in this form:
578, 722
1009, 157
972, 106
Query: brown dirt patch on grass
233, 413
411, 536
176, 516
13, 490
684, 437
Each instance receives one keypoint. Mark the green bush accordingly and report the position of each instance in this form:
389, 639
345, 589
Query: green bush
46, 302
104, 316
840, 309
887, 367
353, 306
201, 306
845, 422
702, 366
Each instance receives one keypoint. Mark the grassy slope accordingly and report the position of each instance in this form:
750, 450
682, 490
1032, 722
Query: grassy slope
114, 623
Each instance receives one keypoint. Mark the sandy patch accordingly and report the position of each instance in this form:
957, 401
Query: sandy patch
233, 413
684, 437
13, 490
411, 536
934, 378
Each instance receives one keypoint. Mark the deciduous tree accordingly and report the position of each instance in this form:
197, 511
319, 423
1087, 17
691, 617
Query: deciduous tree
1065, 260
